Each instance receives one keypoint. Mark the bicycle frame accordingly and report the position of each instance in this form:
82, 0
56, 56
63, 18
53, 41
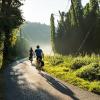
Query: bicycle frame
39, 67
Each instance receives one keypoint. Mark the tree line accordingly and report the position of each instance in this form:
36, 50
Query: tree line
78, 30
10, 20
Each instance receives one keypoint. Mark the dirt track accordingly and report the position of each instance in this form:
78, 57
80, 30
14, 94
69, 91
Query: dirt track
24, 82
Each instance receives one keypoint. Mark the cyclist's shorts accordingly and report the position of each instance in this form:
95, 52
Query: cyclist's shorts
39, 57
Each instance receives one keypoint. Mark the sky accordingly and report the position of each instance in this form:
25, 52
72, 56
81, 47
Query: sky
40, 10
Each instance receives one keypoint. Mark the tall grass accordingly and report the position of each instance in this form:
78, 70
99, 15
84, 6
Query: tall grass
82, 71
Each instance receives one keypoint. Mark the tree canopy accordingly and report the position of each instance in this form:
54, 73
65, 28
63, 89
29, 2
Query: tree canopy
79, 28
10, 18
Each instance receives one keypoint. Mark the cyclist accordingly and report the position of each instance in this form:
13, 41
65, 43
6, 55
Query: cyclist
31, 54
39, 55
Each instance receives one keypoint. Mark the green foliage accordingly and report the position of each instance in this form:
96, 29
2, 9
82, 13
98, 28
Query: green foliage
10, 15
94, 4
86, 10
78, 28
20, 49
13, 37
90, 72
88, 69
78, 64
54, 61
52, 28
10, 18
95, 87
1, 48
0, 61
81, 61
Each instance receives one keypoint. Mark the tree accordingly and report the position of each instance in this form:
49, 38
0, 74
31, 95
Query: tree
79, 25
11, 18
73, 11
52, 27
94, 4
86, 10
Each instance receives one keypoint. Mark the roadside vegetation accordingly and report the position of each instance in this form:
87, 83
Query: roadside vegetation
81, 71
0, 61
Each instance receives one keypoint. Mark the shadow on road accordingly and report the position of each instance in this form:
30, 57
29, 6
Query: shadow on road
23, 91
59, 86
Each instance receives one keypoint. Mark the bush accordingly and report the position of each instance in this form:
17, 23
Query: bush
90, 72
86, 76
95, 87
78, 63
56, 60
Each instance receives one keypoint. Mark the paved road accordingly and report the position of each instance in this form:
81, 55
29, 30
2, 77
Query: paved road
24, 82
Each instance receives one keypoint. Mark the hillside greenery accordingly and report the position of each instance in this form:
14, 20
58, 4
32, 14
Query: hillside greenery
36, 33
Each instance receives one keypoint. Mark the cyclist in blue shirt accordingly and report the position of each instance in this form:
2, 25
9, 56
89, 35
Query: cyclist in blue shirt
39, 53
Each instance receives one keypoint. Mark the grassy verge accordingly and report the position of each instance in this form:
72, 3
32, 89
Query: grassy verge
81, 71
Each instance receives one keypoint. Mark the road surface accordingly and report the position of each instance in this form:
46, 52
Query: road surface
24, 82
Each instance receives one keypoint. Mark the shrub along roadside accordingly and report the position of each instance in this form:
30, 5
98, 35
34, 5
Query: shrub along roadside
90, 72
78, 76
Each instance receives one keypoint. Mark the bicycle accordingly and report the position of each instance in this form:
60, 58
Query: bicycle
39, 64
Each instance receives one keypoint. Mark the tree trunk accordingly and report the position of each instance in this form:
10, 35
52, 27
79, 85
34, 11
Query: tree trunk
6, 49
